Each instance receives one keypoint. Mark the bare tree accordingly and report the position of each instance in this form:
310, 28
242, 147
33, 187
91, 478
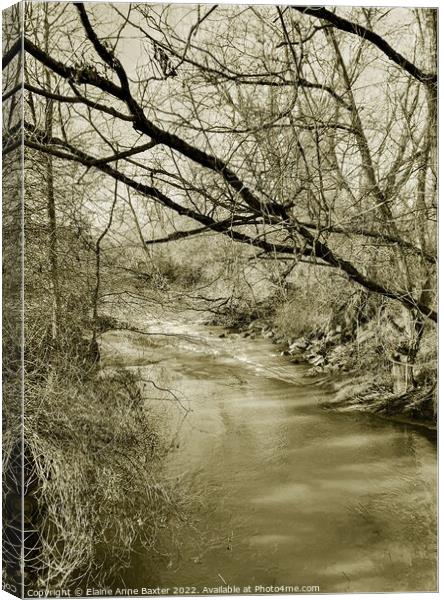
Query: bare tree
266, 135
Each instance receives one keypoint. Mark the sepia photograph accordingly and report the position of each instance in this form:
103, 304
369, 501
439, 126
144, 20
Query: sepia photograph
219, 299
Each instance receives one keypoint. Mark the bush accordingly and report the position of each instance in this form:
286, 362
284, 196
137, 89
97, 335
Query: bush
295, 318
168, 270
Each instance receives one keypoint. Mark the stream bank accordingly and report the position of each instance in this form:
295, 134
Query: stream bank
353, 389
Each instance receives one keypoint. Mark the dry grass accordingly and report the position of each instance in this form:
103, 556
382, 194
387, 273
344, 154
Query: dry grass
93, 459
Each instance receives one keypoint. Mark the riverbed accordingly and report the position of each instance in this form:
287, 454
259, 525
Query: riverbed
282, 491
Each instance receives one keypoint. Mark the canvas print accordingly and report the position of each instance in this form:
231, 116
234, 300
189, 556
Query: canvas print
219, 299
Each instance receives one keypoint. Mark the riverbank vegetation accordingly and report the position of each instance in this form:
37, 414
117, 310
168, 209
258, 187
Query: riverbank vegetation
279, 176
92, 447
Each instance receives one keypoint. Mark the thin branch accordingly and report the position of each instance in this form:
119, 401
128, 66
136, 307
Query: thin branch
314, 246
79, 99
391, 239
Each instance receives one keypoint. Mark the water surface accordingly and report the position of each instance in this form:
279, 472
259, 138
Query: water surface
284, 492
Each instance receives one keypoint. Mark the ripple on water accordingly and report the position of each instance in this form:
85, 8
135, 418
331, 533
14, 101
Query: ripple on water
285, 493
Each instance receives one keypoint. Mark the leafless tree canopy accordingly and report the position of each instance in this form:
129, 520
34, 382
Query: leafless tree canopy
300, 131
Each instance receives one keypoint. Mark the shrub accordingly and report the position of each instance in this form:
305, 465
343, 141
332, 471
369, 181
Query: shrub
295, 318
168, 270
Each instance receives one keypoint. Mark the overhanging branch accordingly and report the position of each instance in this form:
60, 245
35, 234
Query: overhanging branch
9, 55
429, 79
315, 248
49, 146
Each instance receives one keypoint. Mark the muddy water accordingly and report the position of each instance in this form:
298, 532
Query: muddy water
284, 492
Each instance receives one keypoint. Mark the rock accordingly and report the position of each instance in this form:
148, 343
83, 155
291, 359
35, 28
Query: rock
300, 344
297, 360
332, 337
319, 361
315, 371
316, 359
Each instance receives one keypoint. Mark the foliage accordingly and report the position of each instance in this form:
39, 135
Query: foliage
93, 453
302, 138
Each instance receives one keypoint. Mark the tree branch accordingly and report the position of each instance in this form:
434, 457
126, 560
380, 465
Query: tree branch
45, 144
144, 125
221, 226
314, 248
429, 79
373, 234
79, 75
11, 53
78, 100
245, 78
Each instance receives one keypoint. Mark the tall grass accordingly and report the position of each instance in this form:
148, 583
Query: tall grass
93, 456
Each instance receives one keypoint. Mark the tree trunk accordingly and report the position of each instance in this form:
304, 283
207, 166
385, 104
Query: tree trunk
50, 204
94, 346
404, 357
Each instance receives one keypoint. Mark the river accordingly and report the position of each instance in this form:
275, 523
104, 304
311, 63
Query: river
283, 491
